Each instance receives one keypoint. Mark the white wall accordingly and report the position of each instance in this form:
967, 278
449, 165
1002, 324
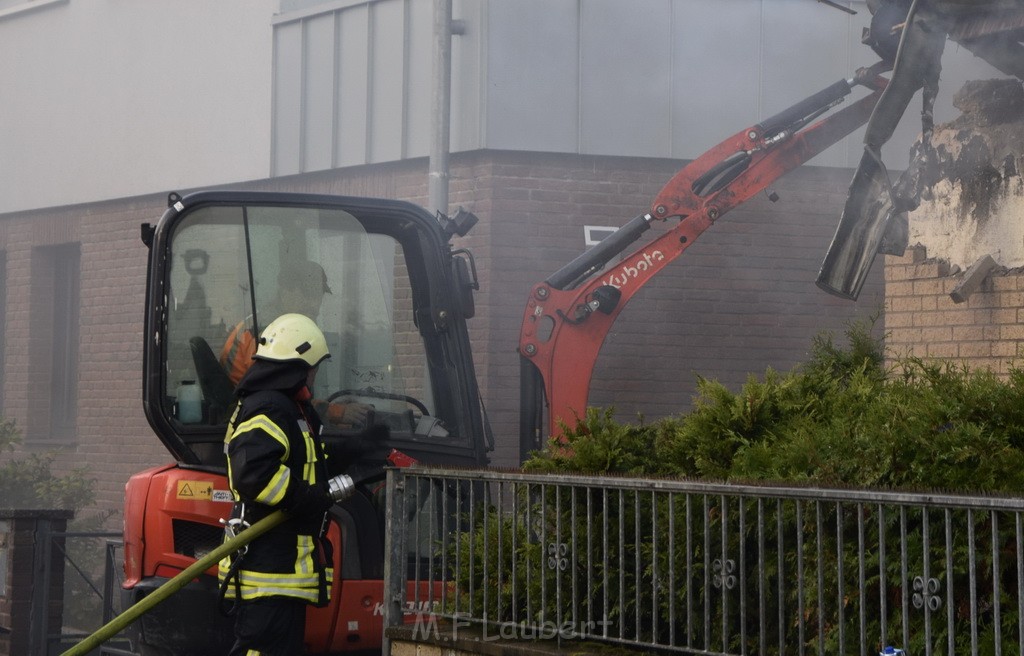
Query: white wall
103, 98
671, 78
353, 82
649, 78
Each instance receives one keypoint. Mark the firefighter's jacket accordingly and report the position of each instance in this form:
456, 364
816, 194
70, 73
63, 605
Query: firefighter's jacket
273, 451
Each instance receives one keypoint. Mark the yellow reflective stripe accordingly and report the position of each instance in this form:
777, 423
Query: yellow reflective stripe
264, 579
250, 577
307, 593
249, 594
304, 561
281, 579
309, 470
231, 423
253, 652
259, 579
262, 422
227, 438
273, 493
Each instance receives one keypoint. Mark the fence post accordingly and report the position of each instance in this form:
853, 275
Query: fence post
394, 555
31, 579
110, 582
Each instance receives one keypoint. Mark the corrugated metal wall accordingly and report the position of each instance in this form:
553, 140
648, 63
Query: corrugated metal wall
649, 78
352, 84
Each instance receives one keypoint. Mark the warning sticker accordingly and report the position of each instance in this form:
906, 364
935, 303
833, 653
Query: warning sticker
195, 490
202, 491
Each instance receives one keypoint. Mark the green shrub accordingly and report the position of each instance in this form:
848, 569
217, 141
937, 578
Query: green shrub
842, 419
29, 482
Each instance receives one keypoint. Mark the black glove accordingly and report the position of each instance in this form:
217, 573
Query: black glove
308, 501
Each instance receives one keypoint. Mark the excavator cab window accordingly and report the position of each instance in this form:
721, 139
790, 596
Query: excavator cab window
234, 269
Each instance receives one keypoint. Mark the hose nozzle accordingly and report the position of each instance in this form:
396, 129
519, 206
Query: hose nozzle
341, 487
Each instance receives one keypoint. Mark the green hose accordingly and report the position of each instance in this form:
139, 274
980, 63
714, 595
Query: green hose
116, 625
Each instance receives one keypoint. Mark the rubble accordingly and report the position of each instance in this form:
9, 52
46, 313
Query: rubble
989, 102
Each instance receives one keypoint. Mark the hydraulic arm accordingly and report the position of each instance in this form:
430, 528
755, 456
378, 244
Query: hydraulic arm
568, 316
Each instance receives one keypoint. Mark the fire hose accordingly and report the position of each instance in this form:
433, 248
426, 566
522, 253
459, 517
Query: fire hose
340, 488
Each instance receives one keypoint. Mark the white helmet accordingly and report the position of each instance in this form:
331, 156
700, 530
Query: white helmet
292, 338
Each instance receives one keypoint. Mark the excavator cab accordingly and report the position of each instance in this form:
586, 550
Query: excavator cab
382, 282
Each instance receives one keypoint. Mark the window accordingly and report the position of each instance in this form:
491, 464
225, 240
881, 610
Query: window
593, 235
54, 342
64, 373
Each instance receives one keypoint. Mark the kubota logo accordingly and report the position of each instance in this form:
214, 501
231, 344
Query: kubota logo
411, 607
631, 270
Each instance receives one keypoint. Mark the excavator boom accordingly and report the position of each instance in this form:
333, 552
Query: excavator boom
569, 315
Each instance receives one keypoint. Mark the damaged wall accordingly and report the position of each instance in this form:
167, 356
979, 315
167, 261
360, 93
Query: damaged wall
973, 198
972, 206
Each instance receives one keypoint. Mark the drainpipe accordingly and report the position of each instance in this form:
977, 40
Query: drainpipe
437, 178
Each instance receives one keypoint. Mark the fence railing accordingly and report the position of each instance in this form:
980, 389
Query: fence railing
703, 568
92, 582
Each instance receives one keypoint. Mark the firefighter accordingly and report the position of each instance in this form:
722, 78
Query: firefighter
275, 461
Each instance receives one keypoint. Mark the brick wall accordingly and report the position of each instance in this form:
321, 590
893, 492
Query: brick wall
741, 299
112, 436
922, 320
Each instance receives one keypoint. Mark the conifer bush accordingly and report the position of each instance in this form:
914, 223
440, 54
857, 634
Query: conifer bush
842, 419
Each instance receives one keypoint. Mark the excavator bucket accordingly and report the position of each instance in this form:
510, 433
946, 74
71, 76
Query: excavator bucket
870, 203
861, 228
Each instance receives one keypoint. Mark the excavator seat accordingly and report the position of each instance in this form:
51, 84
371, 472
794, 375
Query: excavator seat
217, 388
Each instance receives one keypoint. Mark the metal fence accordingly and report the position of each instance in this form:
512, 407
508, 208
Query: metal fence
92, 582
703, 568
